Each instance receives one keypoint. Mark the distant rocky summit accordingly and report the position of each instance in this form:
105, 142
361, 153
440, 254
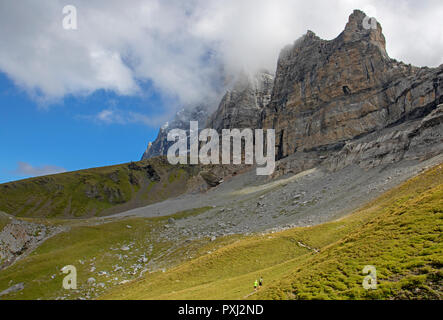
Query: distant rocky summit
240, 107
341, 101
181, 121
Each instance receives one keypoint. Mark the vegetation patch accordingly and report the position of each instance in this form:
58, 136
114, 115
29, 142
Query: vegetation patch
96, 192
400, 234
110, 253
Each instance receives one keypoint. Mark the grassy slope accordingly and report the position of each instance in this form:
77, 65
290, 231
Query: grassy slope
95, 246
400, 233
403, 238
95, 192
4, 220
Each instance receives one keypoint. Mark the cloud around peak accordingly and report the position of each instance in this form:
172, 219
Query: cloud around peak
186, 48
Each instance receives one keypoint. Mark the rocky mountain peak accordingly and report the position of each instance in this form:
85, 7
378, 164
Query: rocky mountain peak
242, 105
329, 96
329, 92
180, 121
310, 36
361, 27
355, 22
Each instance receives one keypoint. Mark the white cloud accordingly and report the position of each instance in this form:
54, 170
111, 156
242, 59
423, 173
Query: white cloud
25, 169
182, 46
122, 117
109, 116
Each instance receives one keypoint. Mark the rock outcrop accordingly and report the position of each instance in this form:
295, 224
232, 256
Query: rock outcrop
412, 140
18, 238
328, 93
241, 106
337, 102
181, 121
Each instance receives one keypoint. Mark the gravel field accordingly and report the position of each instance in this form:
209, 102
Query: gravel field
248, 203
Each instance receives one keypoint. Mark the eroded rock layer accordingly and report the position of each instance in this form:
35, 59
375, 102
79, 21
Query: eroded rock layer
328, 93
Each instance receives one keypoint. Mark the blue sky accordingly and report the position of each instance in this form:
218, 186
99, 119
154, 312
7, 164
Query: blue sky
65, 134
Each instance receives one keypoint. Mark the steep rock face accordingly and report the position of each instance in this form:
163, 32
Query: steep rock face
181, 121
336, 102
412, 140
241, 106
18, 238
327, 93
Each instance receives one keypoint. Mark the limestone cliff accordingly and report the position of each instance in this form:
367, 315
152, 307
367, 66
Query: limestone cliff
241, 106
342, 101
327, 93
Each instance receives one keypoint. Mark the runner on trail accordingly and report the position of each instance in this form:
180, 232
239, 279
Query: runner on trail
255, 285
260, 283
